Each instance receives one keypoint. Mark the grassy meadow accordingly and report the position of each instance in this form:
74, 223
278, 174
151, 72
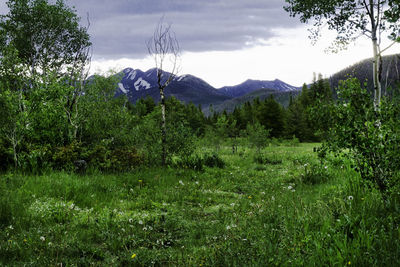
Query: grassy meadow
284, 208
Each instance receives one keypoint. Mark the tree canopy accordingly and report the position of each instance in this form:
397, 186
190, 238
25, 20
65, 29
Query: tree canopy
47, 37
352, 19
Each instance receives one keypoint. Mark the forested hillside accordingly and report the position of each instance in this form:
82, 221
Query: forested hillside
363, 71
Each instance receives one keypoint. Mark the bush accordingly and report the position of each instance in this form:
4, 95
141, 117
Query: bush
214, 160
368, 137
193, 162
37, 159
64, 157
263, 159
197, 163
315, 174
108, 159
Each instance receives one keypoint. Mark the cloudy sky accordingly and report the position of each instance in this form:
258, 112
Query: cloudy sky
223, 42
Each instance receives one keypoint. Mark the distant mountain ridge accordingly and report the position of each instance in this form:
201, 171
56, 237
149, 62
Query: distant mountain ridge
136, 84
253, 85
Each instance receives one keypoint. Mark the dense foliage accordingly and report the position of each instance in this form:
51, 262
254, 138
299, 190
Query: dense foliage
367, 137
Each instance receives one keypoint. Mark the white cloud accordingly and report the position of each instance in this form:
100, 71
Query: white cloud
289, 57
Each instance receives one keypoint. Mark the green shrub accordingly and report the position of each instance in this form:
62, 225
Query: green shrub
263, 159
108, 159
369, 138
37, 159
214, 160
64, 157
193, 162
315, 174
197, 163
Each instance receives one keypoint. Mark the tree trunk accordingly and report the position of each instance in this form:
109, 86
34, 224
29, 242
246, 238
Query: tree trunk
163, 128
376, 65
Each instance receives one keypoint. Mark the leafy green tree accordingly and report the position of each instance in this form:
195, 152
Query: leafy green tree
179, 139
103, 116
351, 19
354, 134
52, 47
47, 36
257, 135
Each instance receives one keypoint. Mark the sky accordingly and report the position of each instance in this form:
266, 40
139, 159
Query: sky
224, 42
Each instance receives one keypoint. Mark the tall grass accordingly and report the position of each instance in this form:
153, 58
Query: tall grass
288, 209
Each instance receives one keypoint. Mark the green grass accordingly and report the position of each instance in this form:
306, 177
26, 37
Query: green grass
288, 210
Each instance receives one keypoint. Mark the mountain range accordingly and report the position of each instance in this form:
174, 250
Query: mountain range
136, 84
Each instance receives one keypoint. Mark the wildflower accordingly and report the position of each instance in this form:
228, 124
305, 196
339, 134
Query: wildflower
42, 238
349, 263
326, 167
249, 197
290, 187
305, 165
140, 222
72, 206
181, 183
133, 256
25, 240
273, 198
350, 198
130, 220
228, 227
140, 181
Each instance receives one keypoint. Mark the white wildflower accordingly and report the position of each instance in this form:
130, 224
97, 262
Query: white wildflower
42, 238
181, 183
140, 222
290, 187
350, 198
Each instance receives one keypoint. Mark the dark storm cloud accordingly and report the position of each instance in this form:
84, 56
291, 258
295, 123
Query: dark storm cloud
120, 28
